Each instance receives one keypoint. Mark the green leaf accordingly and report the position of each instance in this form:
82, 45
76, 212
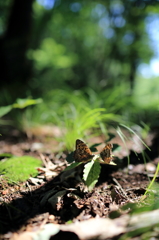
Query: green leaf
73, 165
22, 103
5, 109
93, 147
111, 136
70, 157
91, 174
116, 147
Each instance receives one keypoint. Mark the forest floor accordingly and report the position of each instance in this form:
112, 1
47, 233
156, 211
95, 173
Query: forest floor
61, 198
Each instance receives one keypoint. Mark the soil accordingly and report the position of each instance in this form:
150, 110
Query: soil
59, 197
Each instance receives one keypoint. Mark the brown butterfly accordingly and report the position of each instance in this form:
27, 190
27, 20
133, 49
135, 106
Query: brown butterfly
82, 152
106, 153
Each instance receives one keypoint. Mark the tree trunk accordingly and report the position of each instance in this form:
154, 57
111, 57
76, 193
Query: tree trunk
15, 68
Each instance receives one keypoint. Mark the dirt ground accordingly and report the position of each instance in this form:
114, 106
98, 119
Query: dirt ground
61, 197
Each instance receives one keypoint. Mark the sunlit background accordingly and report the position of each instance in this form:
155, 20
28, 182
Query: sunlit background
81, 55
152, 28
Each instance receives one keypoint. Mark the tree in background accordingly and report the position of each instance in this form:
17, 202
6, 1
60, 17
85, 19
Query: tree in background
95, 45
14, 43
74, 45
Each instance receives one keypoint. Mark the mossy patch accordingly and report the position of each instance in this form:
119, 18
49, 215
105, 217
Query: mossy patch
19, 169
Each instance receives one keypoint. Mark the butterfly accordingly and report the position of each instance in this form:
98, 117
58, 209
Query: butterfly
82, 152
106, 153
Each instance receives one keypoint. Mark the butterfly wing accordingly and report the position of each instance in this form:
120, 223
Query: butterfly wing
82, 152
106, 153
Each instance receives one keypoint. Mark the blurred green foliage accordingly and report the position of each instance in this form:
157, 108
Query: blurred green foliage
78, 56
20, 104
97, 44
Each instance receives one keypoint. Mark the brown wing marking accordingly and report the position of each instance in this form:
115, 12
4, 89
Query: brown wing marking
82, 152
106, 153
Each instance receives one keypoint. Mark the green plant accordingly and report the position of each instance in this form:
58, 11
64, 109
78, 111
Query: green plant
59, 104
20, 104
92, 166
82, 122
151, 183
75, 113
125, 138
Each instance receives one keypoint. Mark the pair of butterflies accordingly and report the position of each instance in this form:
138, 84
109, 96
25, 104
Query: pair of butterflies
83, 153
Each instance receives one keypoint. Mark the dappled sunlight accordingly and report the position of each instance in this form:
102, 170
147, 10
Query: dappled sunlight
146, 93
79, 111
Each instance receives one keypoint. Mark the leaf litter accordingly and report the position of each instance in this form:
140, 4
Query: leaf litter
57, 203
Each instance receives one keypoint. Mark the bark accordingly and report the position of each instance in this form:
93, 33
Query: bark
13, 48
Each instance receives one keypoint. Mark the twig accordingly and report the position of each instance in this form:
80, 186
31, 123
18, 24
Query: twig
27, 183
43, 159
124, 193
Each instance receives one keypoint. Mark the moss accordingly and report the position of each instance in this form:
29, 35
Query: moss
19, 169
